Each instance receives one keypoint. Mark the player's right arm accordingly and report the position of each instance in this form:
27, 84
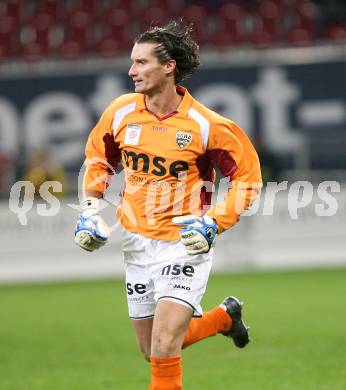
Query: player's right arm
102, 156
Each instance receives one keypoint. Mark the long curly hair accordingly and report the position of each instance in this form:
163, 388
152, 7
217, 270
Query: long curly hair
174, 41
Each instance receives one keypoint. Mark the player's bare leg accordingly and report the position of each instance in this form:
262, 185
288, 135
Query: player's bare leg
170, 324
171, 321
226, 320
143, 330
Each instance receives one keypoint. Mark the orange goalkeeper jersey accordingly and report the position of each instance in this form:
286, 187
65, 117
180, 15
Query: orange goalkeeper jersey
169, 164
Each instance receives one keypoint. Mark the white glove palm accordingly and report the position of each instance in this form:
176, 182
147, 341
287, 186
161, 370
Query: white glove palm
91, 231
199, 235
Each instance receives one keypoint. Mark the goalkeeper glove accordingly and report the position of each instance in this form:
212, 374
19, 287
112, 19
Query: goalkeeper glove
199, 235
91, 231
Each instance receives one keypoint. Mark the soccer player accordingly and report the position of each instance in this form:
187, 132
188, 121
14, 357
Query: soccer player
168, 144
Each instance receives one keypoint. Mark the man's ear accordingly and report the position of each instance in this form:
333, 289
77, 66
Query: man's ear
170, 67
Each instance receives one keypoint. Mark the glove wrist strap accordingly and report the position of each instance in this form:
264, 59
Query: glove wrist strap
89, 206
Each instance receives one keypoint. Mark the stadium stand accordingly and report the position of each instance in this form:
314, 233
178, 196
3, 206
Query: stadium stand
37, 29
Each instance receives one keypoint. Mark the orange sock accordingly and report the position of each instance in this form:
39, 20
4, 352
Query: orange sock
213, 322
166, 373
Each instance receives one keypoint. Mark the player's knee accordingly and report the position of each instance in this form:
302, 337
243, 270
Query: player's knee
165, 343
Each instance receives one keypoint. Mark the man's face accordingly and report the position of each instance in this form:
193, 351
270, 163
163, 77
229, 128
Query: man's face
148, 74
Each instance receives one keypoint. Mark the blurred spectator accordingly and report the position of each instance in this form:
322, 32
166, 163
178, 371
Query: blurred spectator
7, 173
41, 168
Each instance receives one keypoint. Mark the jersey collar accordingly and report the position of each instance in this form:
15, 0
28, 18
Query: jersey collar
183, 107
185, 104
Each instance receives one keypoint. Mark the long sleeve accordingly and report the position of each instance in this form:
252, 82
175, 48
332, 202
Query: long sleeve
102, 153
231, 150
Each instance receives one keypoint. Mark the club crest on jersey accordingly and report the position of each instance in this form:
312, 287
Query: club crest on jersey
183, 139
132, 134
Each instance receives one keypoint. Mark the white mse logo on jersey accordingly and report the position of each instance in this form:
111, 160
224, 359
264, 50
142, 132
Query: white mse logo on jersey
183, 139
132, 134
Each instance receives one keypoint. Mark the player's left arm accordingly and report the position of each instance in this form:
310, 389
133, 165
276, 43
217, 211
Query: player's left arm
232, 151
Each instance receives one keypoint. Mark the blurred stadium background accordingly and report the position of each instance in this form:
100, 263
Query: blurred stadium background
278, 68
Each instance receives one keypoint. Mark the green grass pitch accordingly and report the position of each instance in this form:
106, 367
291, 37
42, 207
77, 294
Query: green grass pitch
77, 336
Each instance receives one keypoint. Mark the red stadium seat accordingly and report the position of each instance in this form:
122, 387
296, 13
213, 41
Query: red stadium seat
117, 20
223, 40
230, 17
43, 23
33, 51
269, 13
337, 33
262, 39
93, 7
90, 6
34, 35
34, 28
12, 8
172, 8
130, 33
307, 13
5, 52
154, 16
128, 5
8, 25
56, 36
27, 34
109, 47
71, 49
121, 27
194, 13
299, 36
197, 15
79, 28
51, 7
